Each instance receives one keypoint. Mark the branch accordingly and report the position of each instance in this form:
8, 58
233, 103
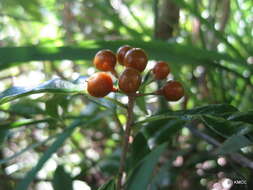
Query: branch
240, 159
126, 140
145, 94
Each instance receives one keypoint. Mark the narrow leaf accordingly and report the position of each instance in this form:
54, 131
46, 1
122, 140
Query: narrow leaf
110, 185
156, 50
23, 185
139, 148
215, 109
52, 86
220, 125
62, 180
141, 103
52, 107
3, 135
168, 130
32, 146
233, 144
242, 116
26, 108
141, 175
26, 122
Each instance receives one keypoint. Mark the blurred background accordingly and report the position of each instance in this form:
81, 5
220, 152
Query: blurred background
207, 43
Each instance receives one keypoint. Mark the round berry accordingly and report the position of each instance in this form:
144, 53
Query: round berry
130, 80
161, 70
173, 91
105, 60
136, 58
100, 84
122, 52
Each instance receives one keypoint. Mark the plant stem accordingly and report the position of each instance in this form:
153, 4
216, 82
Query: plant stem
236, 157
129, 123
146, 94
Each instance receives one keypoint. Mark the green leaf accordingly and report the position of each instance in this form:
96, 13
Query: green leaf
52, 86
139, 148
233, 144
156, 50
110, 185
215, 109
166, 171
141, 103
150, 128
63, 100
246, 117
26, 108
115, 102
32, 146
220, 125
109, 13
110, 164
27, 122
3, 135
100, 102
209, 25
62, 180
165, 133
141, 175
23, 185
52, 107
31, 7
147, 79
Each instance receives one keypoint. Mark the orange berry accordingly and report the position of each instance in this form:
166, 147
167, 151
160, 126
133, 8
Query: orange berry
130, 80
173, 91
136, 58
161, 70
105, 60
122, 52
100, 84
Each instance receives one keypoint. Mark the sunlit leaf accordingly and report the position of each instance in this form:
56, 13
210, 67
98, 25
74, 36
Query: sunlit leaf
156, 50
24, 122
32, 146
52, 149
52, 86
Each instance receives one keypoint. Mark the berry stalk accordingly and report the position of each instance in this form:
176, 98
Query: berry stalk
125, 145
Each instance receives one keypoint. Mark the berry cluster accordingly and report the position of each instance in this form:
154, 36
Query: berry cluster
135, 60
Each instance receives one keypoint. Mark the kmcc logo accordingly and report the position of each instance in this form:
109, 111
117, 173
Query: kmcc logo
240, 182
